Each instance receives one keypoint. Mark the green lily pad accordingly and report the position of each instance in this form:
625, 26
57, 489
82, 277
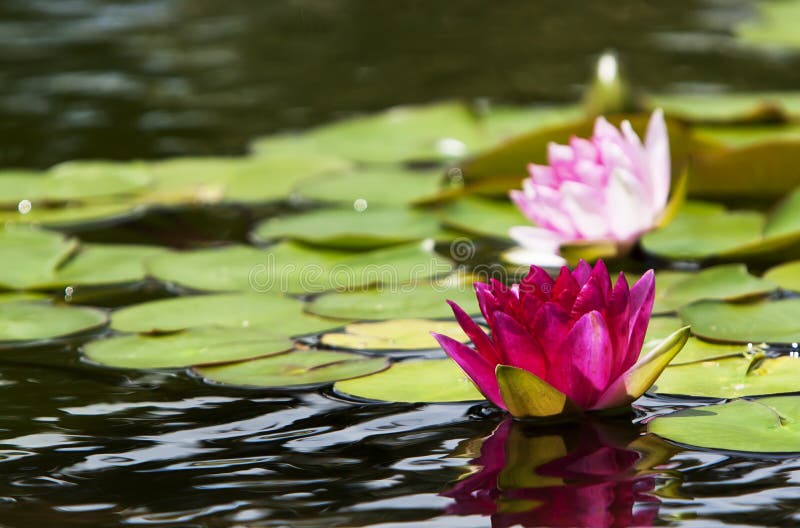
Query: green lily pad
199, 346
422, 381
102, 265
740, 136
775, 25
31, 256
420, 300
694, 350
482, 217
35, 321
701, 231
724, 108
21, 296
291, 268
767, 321
726, 282
376, 185
300, 368
397, 334
350, 228
264, 311
786, 276
435, 132
87, 216
731, 377
763, 425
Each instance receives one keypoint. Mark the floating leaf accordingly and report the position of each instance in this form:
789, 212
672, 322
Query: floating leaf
787, 275
419, 381
103, 264
740, 136
731, 377
382, 185
724, 108
397, 334
775, 26
191, 347
34, 321
763, 425
88, 216
696, 350
349, 228
30, 256
413, 300
265, 311
300, 368
727, 282
767, 321
482, 217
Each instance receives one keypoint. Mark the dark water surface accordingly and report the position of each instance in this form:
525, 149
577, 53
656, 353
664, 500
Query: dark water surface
85, 446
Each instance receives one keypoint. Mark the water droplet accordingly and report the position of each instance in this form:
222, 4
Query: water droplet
607, 68
455, 175
451, 147
428, 244
360, 205
24, 206
749, 347
68, 291
245, 324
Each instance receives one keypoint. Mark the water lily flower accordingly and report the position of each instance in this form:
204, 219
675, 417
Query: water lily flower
610, 188
563, 346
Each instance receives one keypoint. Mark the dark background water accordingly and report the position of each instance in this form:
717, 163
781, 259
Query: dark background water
84, 446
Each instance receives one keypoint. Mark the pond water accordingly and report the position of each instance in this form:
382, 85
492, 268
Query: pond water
82, 445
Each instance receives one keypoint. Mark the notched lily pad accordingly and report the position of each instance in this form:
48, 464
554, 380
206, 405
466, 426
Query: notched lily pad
763, 425
767, 321
421, 381
301, 368
35, 321
199, 346
397, 334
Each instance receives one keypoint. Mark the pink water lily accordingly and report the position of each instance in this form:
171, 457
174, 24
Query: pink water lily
607, 188
562, 346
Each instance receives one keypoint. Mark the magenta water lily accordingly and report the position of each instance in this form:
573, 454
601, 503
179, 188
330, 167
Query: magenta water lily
563, 346
611, 187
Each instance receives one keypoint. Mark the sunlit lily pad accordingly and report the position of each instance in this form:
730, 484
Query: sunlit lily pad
350, 228
299, 368
739, 136
419, 300
262, 311
291, 268
763, 425
423, 381
767, 321
34, 321
694, 350
375, 185
191, 347
787, 275
490, 218
727, 282
731, 377
103, 264
397, 334
31, 256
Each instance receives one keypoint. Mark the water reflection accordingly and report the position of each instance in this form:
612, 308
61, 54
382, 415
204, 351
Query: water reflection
588, 474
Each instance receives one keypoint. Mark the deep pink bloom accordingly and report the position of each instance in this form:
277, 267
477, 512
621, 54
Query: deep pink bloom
578, 336
610, 187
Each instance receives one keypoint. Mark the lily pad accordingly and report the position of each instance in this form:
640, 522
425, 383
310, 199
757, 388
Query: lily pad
775, 25
766, 321
731, 377
291, 268
724, 108
35, 321
87, 216
261, 311
397, 334
299, 368
418, 300
375, 185
102, 265
726, 282
31, 256
482, 217
786, 276
422, 381
740, 136
763, 425
696, 350
199, 346
350, 228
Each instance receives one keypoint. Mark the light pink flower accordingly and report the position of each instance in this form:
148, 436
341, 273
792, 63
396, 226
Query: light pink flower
607, 188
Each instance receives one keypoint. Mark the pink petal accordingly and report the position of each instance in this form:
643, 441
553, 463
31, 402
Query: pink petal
588, 346
565, 289
537, 282
517, 347
542, 175
657, 146
550, 327
584, 149
480, 371
537, 238
618, 321
478, 337
641, 308
586, 208
486, 301
590, 298
582, 272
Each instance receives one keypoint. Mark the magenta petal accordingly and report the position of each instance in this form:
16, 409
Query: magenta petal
618, 321
566, 289
588, 346
519, 348
486, 301
479, 370
641, 308
537, 282
582, 272
550, 326
590, 298
475, 333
